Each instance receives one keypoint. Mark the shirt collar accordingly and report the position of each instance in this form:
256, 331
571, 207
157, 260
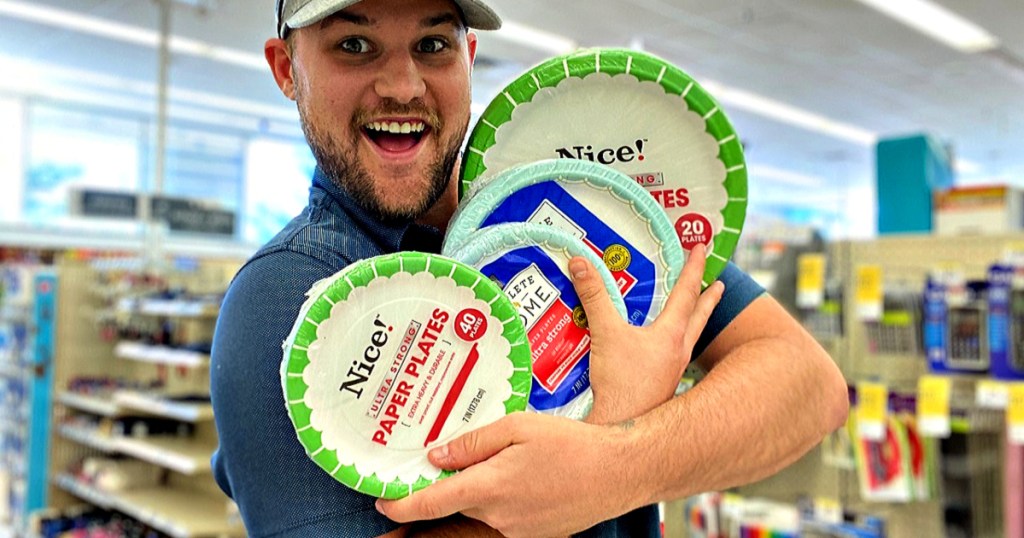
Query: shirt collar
392, 236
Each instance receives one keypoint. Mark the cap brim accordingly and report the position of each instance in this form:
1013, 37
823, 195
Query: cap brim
478, 15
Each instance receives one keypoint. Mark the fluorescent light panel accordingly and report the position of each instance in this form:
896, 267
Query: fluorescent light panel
534, 38
511, 31
763, 106
70, 20
938, 23
786, 177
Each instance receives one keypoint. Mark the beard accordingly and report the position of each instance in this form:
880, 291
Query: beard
340, 163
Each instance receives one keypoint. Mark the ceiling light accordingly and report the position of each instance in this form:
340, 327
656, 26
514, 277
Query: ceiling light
787, 177
763, 106
938, 23
86, 87
521, 34
70, 20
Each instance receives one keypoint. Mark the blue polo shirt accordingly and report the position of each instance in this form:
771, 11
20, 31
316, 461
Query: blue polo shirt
280, 491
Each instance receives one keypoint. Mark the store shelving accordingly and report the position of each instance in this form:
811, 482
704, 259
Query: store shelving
137, 351
89, 437
96, 405
178, 513
977, 402
159, 405
135, 373
182, 454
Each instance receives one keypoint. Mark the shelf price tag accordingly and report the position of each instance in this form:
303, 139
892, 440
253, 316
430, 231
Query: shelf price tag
1015, 414
990, 394
933, 393
810, 280
869, 294
872, 410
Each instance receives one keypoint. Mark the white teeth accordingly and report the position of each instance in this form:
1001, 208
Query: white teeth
397, 128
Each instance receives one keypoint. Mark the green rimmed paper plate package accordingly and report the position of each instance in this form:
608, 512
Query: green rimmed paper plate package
636, 113
395, 355
531, 264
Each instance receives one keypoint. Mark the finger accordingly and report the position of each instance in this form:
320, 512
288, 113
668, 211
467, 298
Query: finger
684, 294
592, 293
702, 313
473, 447
442, 499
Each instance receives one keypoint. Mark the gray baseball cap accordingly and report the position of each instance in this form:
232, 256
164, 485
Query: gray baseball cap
292, 14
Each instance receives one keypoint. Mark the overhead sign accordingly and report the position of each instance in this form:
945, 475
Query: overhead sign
183, 215
105, 204
179, 214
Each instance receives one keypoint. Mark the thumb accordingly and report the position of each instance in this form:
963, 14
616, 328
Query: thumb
473, 447
593, 295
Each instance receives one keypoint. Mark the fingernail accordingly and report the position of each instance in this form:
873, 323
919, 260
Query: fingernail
378, 506
578, 268
440, 453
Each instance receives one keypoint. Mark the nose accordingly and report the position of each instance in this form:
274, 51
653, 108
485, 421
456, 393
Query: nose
400, 79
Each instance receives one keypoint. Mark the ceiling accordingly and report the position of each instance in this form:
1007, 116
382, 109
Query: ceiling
837, 60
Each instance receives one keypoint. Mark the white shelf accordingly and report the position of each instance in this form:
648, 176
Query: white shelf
90, 404
178, 513
160, 355
84, 491
178, 308
182, 454
88, 437
156, 405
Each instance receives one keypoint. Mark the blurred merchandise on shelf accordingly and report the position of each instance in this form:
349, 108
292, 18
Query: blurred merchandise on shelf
956, 334
27, 319
89, 522
898, 330
979, 210
972, 482
717, 515
1006, 321
902, 465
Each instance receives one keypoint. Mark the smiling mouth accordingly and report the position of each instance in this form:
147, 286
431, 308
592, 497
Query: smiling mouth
396, 136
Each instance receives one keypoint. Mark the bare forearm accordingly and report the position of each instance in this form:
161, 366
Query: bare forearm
755, 413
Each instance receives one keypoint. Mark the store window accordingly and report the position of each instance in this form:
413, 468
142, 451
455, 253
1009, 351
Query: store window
70, 149
277, 185
11, 168
204, 165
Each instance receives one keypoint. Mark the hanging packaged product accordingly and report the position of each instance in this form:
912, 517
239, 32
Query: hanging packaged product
531, 264
636, 113
603, 208
1006, 321
396, 355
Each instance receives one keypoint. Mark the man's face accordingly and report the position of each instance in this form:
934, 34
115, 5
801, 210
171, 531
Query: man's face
383, 91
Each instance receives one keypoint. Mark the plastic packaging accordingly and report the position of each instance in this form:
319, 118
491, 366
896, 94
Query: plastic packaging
531, 264
603, 208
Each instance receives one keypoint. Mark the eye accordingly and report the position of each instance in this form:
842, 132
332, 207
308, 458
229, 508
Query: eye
432, 45
354, 45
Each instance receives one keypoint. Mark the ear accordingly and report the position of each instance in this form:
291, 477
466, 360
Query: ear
276, 52
471, 43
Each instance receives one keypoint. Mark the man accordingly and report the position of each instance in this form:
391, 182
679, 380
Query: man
383, 92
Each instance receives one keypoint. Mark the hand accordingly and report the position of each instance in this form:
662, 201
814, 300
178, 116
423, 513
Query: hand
537, 475
528, 475
635, 369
